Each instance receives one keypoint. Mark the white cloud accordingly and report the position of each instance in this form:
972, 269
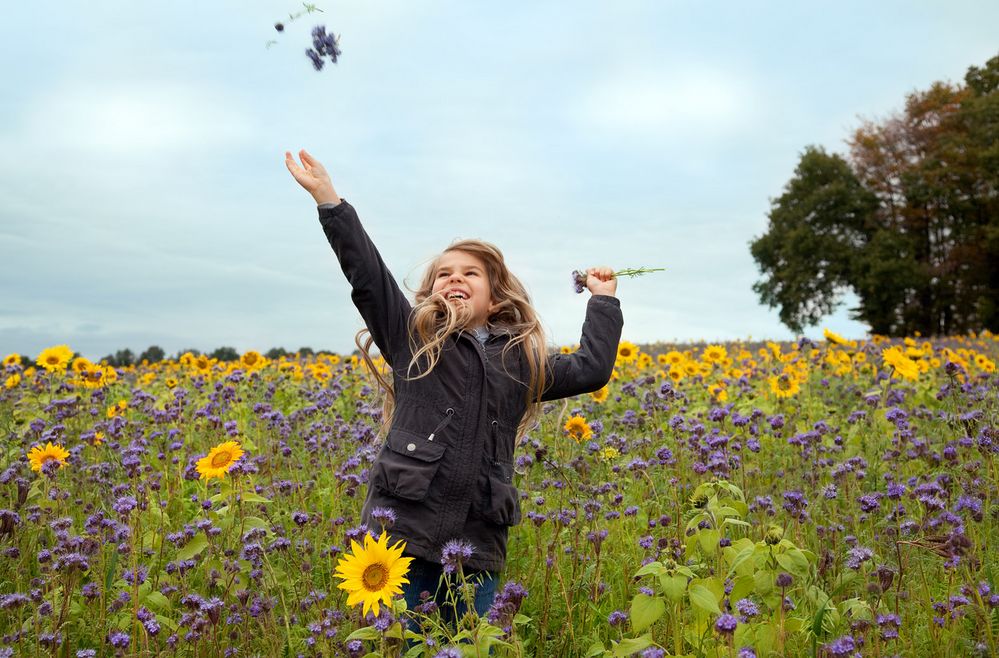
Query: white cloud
665, 104
133, 119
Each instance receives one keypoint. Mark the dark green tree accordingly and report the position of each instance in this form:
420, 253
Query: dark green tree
123, 358
276, 353
225, 354
910, 223
817, 226
153, 354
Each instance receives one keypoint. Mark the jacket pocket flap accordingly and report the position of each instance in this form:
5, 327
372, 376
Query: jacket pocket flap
414, 445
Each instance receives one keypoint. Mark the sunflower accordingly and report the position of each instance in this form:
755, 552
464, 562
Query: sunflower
80, 364
676, 374
13, 359
41, 455
714, 354
117, 409
627, 352
566, 349
170, 382
784, 385
984, 363
600, 395
674, 358
110, 376
644, 360
903, 365
373, 574
718, 392
202, 364
12, 381
252, 360
219, 460
91, 375
833, 337
55, 358
578, 429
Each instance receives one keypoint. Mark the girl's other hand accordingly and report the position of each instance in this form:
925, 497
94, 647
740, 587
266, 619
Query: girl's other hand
312, 176
601, 281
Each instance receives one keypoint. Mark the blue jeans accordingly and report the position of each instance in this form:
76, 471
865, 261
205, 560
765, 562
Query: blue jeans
425, 576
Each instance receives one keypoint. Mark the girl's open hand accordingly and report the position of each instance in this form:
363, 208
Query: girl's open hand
312, 176
601, 281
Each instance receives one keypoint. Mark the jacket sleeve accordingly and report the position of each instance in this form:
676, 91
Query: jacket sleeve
588, 368
373, 289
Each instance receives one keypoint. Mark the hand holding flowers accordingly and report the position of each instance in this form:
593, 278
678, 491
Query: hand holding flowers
603, 280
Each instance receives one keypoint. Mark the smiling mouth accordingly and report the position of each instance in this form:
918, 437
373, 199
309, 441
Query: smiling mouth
455, 295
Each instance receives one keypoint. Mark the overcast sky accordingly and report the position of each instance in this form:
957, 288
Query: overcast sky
144, 198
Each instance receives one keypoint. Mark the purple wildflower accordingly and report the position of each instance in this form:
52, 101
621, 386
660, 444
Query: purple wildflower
455, 553
617, 618
726, 624
841, 646
119, 639
384, 515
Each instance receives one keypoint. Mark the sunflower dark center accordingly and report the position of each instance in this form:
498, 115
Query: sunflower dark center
374, 577
221, 459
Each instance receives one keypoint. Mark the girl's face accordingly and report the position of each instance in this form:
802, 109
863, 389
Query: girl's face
461, 278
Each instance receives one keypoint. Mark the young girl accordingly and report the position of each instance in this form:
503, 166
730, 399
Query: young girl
470, 367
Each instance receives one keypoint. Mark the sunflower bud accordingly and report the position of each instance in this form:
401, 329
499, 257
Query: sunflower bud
774, 534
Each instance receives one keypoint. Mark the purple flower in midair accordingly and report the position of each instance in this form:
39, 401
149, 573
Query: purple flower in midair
323, 45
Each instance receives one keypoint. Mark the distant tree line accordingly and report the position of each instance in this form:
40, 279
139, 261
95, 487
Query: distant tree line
909, 221
155, 353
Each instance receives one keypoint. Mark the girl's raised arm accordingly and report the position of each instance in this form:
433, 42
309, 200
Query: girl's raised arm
588, 368
374, 291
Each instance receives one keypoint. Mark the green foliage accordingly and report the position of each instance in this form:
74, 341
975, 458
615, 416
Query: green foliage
225, 353
816, 229
153, 354
910, 224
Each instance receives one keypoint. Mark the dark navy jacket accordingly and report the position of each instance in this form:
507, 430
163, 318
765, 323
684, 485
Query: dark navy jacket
446, 467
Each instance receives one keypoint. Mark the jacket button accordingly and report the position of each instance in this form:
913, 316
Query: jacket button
411, 447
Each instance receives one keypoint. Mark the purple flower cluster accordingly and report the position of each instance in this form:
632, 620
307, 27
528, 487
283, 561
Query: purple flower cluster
323, 45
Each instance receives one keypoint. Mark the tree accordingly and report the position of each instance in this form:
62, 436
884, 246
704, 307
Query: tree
816, 227
910, 223
152, 354
276, 353
123, 358
225, 354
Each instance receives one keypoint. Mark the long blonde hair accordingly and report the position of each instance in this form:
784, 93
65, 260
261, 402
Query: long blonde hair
433, 320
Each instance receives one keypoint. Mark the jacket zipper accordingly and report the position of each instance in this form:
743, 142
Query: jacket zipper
441, 425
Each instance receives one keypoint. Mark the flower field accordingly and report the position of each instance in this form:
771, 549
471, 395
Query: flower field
796, 499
